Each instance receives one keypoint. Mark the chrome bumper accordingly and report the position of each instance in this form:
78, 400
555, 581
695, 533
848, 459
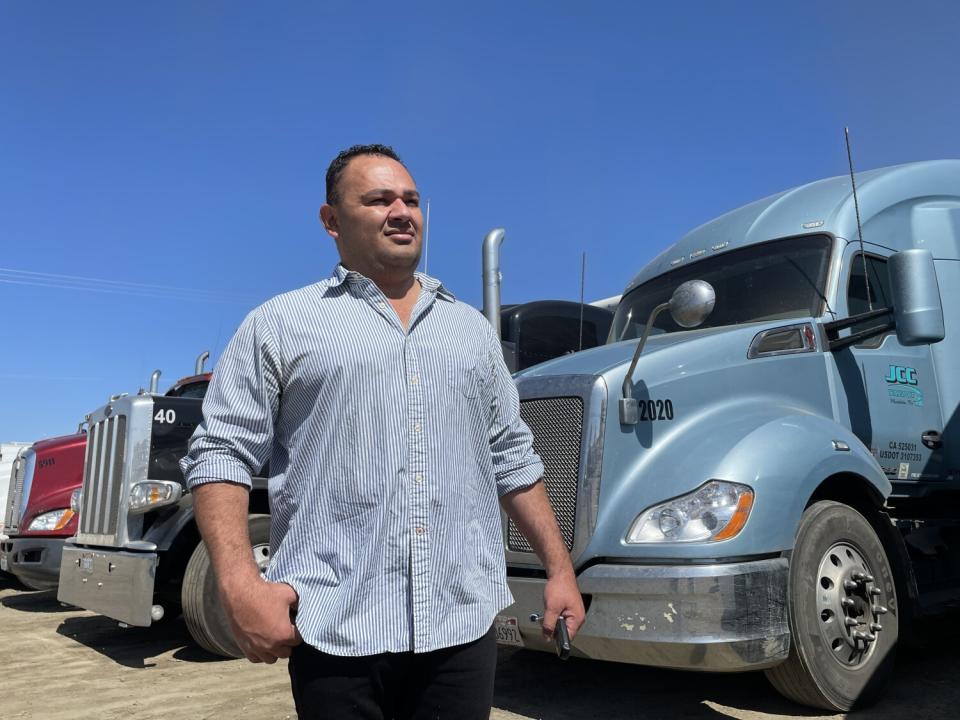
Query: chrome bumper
114, 583
35, 561
721, 618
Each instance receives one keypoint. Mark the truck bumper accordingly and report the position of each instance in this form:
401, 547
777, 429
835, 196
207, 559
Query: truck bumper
114, 583
35, 561
721, 618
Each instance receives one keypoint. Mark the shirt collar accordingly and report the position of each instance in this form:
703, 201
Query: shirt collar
342, 275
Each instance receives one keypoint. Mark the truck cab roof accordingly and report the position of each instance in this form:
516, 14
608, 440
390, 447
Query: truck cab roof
893, 202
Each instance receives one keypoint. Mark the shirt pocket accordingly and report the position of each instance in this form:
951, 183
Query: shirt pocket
466, 377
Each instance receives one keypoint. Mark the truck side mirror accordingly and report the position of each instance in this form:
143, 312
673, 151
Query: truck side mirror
916, 297
692, 303
689, 306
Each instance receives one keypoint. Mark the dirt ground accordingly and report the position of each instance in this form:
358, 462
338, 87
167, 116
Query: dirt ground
61, 664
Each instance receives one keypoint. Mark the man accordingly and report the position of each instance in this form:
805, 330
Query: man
392, 427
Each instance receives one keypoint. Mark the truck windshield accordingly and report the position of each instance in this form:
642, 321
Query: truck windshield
767, 281
191, 390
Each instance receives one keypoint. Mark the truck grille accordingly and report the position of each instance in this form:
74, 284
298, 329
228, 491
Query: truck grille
11, 520
557, 426
103, 476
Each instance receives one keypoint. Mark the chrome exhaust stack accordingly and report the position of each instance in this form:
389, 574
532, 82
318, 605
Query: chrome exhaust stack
201, 361
154, 382
491, 277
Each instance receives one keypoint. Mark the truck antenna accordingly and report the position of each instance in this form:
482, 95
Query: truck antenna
856, 207
583, 274
426, 241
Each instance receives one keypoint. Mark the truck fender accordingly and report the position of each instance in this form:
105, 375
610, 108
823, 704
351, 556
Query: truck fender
782, 453
786, 459
166, 531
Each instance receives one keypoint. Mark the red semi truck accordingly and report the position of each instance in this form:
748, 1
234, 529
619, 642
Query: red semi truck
38, 516
41, 511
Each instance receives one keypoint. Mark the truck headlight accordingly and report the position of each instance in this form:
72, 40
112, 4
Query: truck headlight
145, 496
76, 499
715, 511
53, 520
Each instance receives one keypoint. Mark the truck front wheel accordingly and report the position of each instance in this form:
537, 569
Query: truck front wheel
206, 620
842, 609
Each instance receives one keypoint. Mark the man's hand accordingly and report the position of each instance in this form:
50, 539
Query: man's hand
260, 616
561, 598
258, 611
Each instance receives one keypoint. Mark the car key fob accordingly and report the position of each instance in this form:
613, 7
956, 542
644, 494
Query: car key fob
561, 637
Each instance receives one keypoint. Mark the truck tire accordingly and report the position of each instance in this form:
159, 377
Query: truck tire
843, 612
204, 615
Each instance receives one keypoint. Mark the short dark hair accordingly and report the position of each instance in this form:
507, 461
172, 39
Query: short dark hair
341, 161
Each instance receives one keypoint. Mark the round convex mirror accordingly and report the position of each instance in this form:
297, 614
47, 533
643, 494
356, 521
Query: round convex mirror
692, 303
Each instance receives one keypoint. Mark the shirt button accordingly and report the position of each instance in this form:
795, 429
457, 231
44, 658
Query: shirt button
418, 477
420, 531
414, 380
416, 427
381, 304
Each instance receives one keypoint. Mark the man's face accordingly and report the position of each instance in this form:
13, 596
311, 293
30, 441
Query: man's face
377, 220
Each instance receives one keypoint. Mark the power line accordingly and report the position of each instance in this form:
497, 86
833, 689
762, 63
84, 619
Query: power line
13, 276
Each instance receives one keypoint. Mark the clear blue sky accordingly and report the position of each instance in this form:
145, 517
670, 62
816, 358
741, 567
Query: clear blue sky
184, 145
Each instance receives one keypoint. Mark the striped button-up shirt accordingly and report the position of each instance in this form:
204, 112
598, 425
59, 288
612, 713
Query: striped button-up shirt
388, 449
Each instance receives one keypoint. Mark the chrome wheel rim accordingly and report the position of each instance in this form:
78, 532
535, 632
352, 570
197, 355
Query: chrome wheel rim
261, 555
850, 605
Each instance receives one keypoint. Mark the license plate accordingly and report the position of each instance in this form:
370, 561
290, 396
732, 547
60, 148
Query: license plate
507, 630
86, 563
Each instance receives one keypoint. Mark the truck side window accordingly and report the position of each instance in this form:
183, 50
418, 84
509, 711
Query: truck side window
857, 293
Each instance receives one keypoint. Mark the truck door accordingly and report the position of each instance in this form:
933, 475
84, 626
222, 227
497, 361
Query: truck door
899, 403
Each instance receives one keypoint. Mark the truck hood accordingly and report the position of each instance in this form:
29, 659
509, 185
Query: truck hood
46, 500
60, 442
57, 472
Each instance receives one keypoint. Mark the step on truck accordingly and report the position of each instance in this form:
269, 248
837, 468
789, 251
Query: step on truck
137, 556
761, 469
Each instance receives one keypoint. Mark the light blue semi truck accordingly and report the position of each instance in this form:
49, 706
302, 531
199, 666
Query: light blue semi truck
772, 481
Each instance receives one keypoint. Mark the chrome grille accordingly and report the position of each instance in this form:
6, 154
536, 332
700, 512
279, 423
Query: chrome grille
11, 520
103, 476
557, 426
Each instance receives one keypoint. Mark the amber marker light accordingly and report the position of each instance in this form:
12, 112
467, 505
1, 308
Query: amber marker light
64, 520
739, 519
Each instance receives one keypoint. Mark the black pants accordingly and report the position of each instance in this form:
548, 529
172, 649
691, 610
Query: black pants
455, 683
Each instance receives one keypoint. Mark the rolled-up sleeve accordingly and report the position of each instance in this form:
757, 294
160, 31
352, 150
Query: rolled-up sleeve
515, 463
235, 438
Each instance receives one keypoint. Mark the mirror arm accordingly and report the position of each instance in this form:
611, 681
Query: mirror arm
840, 343
832, 328
835, 325
628, 406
